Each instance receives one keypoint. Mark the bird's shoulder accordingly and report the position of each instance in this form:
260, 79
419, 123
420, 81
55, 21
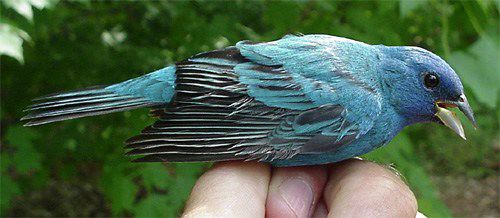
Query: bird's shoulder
326, 69
326, 58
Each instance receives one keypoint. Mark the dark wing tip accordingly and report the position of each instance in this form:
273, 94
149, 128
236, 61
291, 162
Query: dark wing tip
148, 159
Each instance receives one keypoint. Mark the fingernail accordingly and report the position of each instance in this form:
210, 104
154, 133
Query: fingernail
298, 195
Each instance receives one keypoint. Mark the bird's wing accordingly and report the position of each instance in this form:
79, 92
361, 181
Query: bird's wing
314, 70
262, 101
317, 130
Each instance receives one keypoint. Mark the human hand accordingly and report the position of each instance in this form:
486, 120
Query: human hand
352, 188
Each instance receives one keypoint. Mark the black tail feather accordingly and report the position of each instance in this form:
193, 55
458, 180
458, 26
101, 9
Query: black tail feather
183, 157
81, 103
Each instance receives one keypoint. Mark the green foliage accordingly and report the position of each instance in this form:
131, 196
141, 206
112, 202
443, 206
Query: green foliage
118, 186
12, 37
24, 163
25, 7
154, 180
155, 206
25, 158
408, 6
482, 57
11, 41
79, 44
9, 189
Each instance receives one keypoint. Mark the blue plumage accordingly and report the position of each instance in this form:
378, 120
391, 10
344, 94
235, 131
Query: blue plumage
157, 87
300, 100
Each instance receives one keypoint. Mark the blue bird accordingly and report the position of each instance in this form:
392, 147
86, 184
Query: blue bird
299, 100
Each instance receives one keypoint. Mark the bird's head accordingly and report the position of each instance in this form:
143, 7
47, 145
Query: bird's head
422, 87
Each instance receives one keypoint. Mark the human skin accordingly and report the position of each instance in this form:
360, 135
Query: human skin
352, 188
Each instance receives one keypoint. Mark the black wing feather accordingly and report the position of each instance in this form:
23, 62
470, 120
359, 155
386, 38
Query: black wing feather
213, 118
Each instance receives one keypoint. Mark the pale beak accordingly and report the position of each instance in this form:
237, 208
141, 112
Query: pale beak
450, 119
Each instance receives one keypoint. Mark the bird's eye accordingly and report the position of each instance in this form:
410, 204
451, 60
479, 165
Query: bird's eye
431, 80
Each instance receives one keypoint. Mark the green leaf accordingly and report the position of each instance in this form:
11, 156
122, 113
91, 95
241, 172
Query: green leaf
9, 189
11, 37
478, 68
5, 162
185, 178
121, 191
497, 3
407, 6
119, 187
282, 16
156, 175
155, 206
11, 41
22, 7
25, 158
41, 4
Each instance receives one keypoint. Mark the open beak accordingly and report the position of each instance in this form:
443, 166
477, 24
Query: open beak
450, 119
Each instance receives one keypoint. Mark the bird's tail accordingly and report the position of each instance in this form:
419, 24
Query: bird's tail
154, 89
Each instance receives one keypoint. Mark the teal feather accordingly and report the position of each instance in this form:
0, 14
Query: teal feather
299, 100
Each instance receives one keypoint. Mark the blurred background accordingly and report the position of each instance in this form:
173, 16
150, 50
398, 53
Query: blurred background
77, 168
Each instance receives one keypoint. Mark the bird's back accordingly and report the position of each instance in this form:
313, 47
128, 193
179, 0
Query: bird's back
297, 96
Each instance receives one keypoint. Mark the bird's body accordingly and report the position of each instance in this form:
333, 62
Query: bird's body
300, 100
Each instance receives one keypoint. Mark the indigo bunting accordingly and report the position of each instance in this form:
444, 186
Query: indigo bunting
299, 100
